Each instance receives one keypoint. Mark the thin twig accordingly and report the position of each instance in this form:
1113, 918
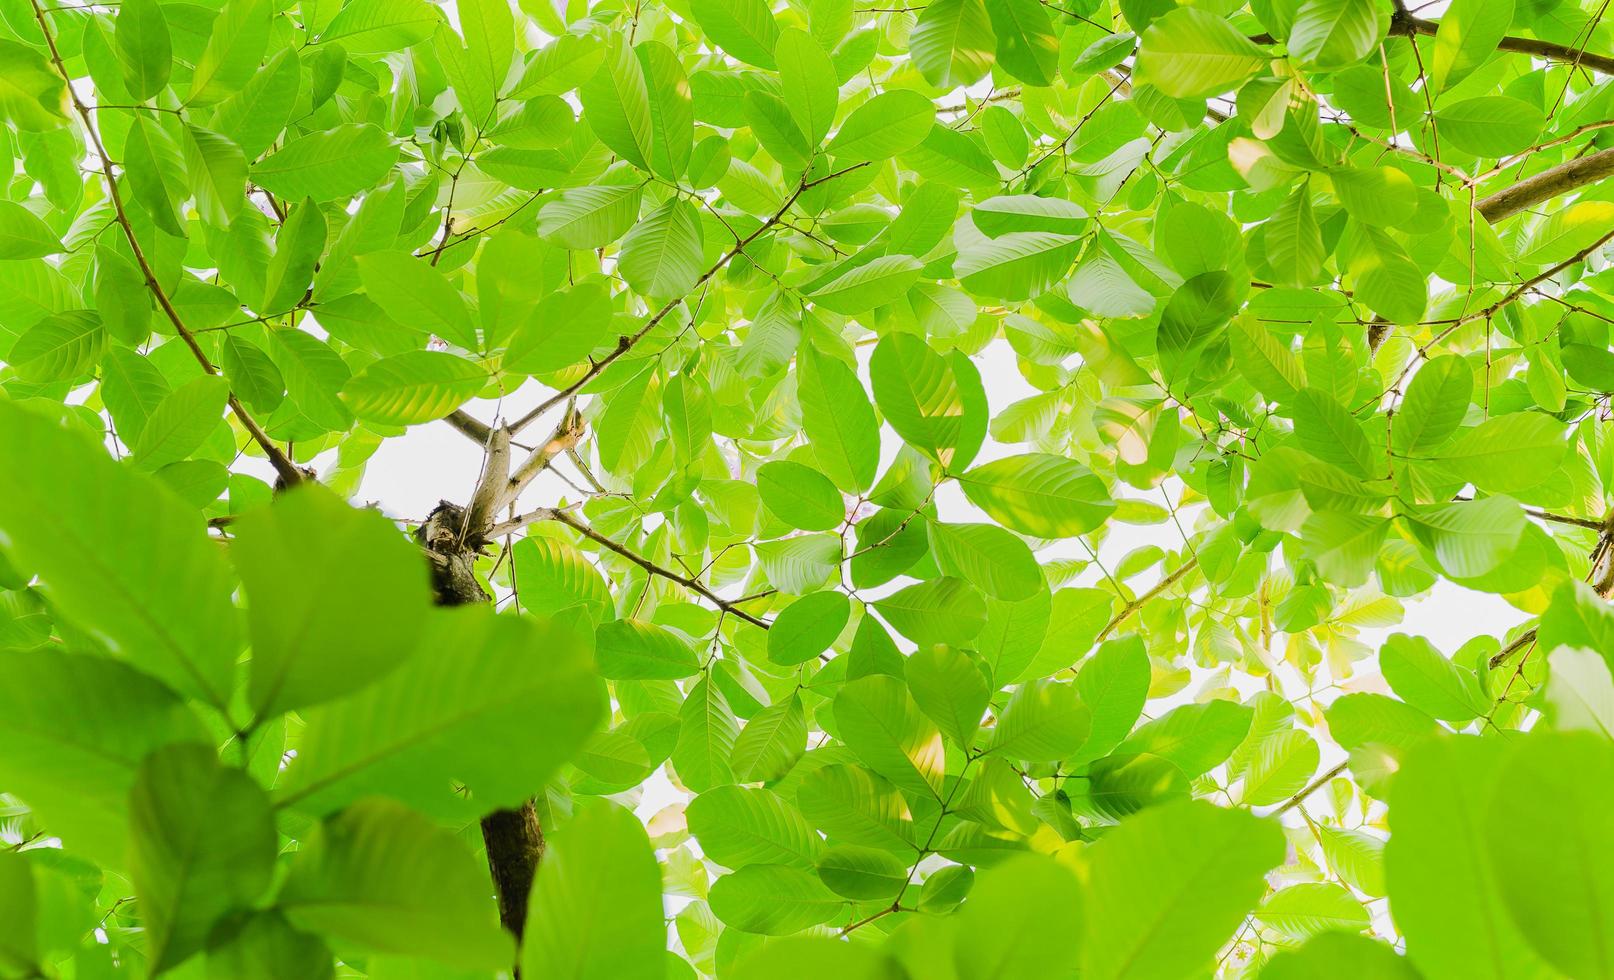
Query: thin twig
289, 473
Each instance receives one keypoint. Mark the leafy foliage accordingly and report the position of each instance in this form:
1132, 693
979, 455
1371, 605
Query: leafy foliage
993, 445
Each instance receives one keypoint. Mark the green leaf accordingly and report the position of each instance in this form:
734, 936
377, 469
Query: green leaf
378, 26
218, 171
883, 280
922, 398
1437, 399
1194, 737
1566, 232
744, 29
384, 877
892, 122
770, 121
590, 217
1506, 453
993, 560
1294, 242
298, 246
807, 957
121, 557
771, 742
1554, 873
1011, 910
1439, 863
661, 256
672, 113
413, 387
1026, 46
738, 827
1045, 721
806, 628
1333, 34
314, 374
235, 48
264, 947
331, 165
1169, 886
1344, 546
1376, 196
1327, 431
337, 596
490, 40
856, 806
800, 495
60, 347
437, 718
1281, 765
1016, 265
942, 610
862, 873
202, 845
707, 733
1490, 125
809, 82
77, 727
23, 235
596, 907
565, 328
952, 43
1306, 908
1193, 54
1339, 956
1113, 684
616, 103
19, 943
838, 420
949, 687
1580, 693
33, 97
773, 899
878, 719
1468, 35
634, 649
182, 421
1424, 678
144, 49
412, 292
1041, 495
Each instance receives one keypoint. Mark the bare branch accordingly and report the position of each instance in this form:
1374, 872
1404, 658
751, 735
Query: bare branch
1546, 185
489, 493
562, 440
1408, 26
470, 427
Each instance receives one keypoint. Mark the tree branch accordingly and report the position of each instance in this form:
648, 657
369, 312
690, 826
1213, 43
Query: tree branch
626, 344
1548, 184
289, 473
563, 439
489, 494
1138, 603
1408, 26
1311, 788
468, 426
726, 605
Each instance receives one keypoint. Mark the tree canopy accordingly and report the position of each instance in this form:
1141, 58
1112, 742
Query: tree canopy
970, 458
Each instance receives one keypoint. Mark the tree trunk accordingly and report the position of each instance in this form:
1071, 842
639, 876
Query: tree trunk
514, 839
